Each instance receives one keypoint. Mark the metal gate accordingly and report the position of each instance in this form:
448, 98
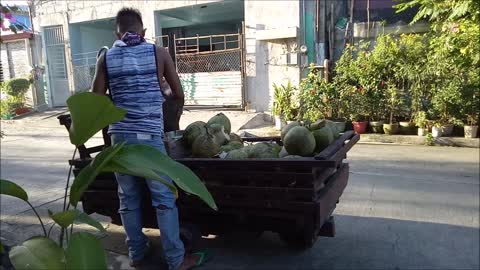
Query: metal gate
57, 66
210, 69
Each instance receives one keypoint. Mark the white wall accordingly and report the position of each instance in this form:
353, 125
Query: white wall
265, 59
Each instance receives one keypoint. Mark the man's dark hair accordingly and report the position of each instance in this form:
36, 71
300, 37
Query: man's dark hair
129, 20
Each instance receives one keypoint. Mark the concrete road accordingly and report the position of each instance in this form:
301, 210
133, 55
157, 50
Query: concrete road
405, 207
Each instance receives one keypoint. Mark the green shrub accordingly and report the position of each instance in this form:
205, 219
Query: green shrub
17, 87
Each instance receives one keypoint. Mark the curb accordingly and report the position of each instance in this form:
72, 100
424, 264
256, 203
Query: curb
417, 140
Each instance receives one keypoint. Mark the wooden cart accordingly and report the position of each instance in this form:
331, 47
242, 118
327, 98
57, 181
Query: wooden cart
293, 197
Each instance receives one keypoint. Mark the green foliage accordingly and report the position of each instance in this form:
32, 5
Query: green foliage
38, 253
87, 175
429, 140
283, 101
85, 251
421, 119
11, 189
319, 99
69, 217
17, 87
90, 113
454, 56
143, 159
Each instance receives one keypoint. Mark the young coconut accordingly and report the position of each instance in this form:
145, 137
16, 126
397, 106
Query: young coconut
299, 141
194, 130
205, 146
222, 120
218, 131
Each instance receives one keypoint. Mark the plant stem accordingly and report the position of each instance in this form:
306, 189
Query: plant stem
38, 216
50, 230
68, 182
65, 206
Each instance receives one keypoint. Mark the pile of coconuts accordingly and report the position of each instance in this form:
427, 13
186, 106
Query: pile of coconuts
215, 139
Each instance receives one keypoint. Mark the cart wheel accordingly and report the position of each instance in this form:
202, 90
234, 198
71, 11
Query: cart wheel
299, 240
190, 236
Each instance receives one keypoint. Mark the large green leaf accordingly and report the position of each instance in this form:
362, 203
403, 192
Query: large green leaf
87, 175
123, 167
86, 219
85, 251
141, 158
38, 253
12, 189
67, 218
90, 113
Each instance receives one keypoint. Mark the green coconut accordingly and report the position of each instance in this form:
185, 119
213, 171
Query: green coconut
222, 120
205, 146
323, 138
288, 127
232, 145
333, 128
283, 153
218, 132
194, 130
299, 141
317, 125
237, 154
235, 137
263, 150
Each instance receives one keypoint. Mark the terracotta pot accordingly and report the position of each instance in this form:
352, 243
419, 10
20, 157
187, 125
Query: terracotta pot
376, 126
407, 128
437, 132
360, 127
390, 129
19, 111
422, 131
471, 131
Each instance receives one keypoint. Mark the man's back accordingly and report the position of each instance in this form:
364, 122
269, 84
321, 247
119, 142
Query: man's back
133, 81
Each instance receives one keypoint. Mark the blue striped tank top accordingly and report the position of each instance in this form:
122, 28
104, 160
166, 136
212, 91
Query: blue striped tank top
134, 86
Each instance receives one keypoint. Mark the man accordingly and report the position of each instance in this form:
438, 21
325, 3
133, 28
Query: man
132, 70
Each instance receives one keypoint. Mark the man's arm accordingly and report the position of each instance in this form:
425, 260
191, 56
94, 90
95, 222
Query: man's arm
166, 68
99, 85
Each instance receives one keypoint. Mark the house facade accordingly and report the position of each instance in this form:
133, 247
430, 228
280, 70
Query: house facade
228, 53
18, 55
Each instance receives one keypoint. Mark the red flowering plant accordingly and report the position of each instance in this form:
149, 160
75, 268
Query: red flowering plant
318, 98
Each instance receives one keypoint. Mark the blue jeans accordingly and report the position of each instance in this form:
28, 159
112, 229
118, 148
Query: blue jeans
163, 200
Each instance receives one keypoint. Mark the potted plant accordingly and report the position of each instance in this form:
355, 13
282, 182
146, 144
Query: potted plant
407, 127
359, 124
421, 122
471, 129
471, 108
16, 89
393, 101
277, 107
376, 126
282, 108
437, 130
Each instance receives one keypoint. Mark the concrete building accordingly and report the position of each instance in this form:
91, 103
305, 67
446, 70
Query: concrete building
19, 52
228, 52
